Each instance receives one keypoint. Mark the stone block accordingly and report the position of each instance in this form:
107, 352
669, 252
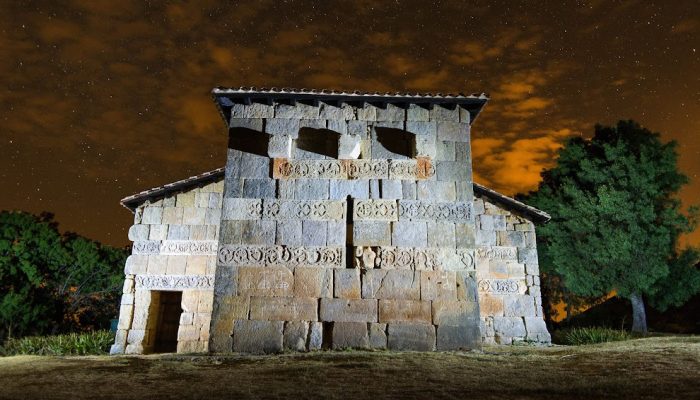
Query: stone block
157, 265
458, 337
259, 188
391, 284
492, 222
527, 256
464, 115
349, 147
490, 306
126, 312
372, 233
315, 335
312, 123
366, 113
440, 113
214, 200
280, 146
537, 330
409, 234
519, 306
444, 151
507, 328
375, 209
172, 215
282, 126
422, 128
152, 215
374, 193
254, 110
201, 199
377, 336
441, 234
296, 111
465, 189
340, 189
466, 286
416, 112
313, 282
405, 311
139, 232
436, 191
212, 216
338, 126
485, 238
289, 233
453, 131
358, 128
453, 171
416, 337
438, 285
258, 336
193, 216
312, 189
350, 335
253, 166
178, 232
391, 189
345, 310
346, 283
136, 264
283, 309
313, 233
455, 313
463, 151
532, 269
511, 238
425, 147
342, 112
295, 333
269, 281
391, 112
479, 207
408, 190
258, 232
336, 235
196, 265
255, 124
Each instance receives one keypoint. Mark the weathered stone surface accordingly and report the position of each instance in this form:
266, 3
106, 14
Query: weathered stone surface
139, 232
436, 191
344, 310
438, 285
492, 222
336, 233
358, 128
357, 189
425, 147
527, 256
417, 337
295, 335
502, 253
280, 256
288, 233
313, 233
306, 210
453, 131
282, 126
502, 286
441, 234
350, 335
507, 328
409, 234
152, 215
258, 336
313, 282
459, 337
255, 124
270, 281
444, 151
440, 113
416, 112
422, 128
405, 311
283, 309
391, 284
455, 313
453, 171
280, 146
162, 281
421, 168
347, 283
390, 113
311, 189
377, 336
377, 210
349, 147
537, 330
485, 238
254, 110
339, 126
342, 112
315, 335
371, 233
466, 286
491, 306
519, 306
391, 189
259, 188
296, 111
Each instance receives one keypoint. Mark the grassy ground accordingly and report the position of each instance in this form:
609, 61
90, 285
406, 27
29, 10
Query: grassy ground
662, 367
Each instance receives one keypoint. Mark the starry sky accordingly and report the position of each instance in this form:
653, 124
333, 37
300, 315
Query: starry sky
103, 99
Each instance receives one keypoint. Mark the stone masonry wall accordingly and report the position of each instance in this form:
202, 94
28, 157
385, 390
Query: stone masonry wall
352, 228
175, 241
508, 276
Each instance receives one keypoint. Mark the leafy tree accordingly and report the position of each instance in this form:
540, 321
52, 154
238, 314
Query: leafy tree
616, 221
47, 279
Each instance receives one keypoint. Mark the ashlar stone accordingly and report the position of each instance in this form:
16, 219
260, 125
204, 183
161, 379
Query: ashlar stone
346, 310
350, 335
349, 147
283, 308
258, 336
377, 336
280, 146
391, 284
295, 334
409, 234
269, 281
313, 282
405, 311
347, 283
406, 336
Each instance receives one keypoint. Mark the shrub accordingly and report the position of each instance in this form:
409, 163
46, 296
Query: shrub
73, 344
591, 335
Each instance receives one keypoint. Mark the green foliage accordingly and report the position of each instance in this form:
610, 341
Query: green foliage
51, 282
592, 335
72, 344
615, 221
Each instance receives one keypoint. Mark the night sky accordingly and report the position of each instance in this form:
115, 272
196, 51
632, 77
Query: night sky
107, 98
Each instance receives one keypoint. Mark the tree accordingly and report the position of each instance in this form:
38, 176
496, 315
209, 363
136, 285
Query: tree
616, 221
46, 278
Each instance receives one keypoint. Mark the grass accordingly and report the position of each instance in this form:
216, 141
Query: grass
77, 344
649, 368
591, 335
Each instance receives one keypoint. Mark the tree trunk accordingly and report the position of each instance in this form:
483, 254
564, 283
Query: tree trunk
639, 316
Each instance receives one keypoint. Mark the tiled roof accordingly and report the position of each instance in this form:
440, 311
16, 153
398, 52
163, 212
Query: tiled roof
134, 201
243, 90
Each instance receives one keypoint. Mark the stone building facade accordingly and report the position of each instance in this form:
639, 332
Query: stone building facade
340, 220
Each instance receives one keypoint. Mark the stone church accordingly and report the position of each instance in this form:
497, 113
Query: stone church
341, 220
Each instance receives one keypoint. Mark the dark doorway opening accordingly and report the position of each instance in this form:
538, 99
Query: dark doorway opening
169, 310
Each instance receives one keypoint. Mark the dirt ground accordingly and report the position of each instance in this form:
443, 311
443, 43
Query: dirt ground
652, 368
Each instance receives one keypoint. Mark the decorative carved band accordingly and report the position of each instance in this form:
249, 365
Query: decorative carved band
414, 258
253, 209
416, 169
280, 256
384, 210
176, 247
426, 211
175, 281
502, 253
499, 286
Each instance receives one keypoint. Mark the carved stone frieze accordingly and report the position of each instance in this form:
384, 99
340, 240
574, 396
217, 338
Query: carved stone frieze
415, 169
146, 247
420, 168
175, 281
499, 286
382, 210
176, 247
415, 210
286, 256
320, 210
502, 253
415, 258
